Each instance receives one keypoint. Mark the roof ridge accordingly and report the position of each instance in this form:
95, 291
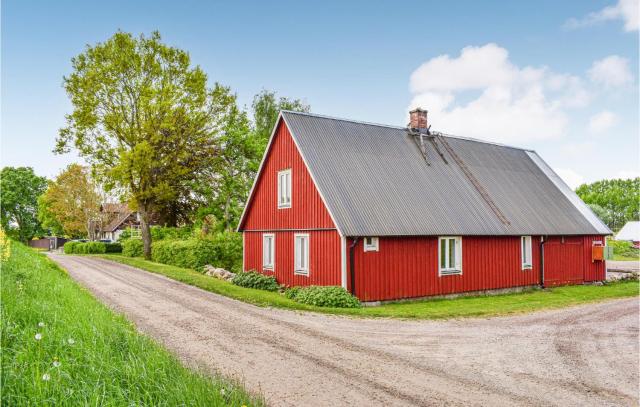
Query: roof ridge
322, 116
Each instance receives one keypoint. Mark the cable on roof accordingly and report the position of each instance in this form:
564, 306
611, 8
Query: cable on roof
476, 183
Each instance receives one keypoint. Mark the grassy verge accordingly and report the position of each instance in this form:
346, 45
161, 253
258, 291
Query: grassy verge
619, 257
423, 309
62, 347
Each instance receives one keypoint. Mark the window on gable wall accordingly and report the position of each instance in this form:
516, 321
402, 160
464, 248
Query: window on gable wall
268, 251
301, 254
370, 244
525, 252
284, 188
449, 255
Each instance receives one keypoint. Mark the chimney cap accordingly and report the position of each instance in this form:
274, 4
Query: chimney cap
418, 110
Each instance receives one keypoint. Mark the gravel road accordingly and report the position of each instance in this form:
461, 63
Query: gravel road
580, 356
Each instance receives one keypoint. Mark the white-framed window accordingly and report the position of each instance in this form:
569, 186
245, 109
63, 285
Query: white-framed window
449, 255
525, 252
284, 188
301, 254
370, 244
268, 251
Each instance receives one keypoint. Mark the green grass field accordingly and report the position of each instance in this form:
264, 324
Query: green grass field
422, 309
62, 347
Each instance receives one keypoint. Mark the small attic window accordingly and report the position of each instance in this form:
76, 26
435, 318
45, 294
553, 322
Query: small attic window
284, 189
370, 244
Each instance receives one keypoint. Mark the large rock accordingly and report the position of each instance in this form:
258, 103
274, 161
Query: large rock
217, 272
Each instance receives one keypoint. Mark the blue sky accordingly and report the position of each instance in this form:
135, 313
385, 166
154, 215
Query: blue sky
558, 77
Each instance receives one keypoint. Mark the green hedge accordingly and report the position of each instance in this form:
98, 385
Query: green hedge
252, 279
222, 250
84, 248
323, 296
623, 248
69, 247
113, 248
132, 247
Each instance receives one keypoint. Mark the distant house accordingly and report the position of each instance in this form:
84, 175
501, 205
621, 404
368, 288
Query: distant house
392, 212
631, 233
118, 218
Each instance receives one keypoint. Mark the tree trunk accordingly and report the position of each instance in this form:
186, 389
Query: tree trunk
146, 231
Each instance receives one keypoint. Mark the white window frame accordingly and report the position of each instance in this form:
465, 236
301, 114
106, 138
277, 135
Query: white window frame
457, 264
526, 254
301, 266
272, 254
372, 245
284, 189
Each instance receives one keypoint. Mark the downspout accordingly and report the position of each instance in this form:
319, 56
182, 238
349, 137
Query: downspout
352, 265
542, 242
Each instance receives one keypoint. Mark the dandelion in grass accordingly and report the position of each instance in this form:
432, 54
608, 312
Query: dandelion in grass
56, 362
222, 391
41, 324
71, 341
46, 377
38, 336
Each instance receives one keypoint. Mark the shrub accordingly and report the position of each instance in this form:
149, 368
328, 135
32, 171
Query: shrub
113, 248
132, 248
222, 250
623, 248
228, 250
84, 248
69, 247
192, 253
252, 279
163, 233
323, 296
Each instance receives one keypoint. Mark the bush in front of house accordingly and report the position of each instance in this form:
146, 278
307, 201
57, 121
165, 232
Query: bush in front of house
113, 248
192, 253
252, 279
132, 248
323, 296
84, 248
223, 250
69, 247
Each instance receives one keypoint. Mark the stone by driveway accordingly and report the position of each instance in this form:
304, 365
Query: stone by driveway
581, 356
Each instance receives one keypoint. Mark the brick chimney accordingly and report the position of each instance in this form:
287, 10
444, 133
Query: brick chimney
418, 119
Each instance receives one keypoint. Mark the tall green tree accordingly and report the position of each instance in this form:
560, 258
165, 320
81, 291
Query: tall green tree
229, 178
144, 118
71, 203
266, 106
20, 188
618, 199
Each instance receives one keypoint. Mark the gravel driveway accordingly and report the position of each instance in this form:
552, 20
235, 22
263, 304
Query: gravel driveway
579, 356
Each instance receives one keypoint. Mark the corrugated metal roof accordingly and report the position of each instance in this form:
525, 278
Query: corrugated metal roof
375, 181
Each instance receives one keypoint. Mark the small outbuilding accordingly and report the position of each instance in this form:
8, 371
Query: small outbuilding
393, 212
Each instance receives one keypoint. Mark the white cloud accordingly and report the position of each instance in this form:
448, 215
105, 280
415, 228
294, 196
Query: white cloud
570, 177
625, 10
602, 121
612, 71
482, 94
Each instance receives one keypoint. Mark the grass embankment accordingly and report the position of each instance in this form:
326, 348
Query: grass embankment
619, 257
62, 347
422, 309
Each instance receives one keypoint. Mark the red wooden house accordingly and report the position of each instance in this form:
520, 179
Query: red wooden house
398, 212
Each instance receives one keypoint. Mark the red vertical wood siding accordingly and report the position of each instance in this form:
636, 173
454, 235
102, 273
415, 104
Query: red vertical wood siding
406, 267
593, 270
306, 215
568, 260
324, 257
307, 209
